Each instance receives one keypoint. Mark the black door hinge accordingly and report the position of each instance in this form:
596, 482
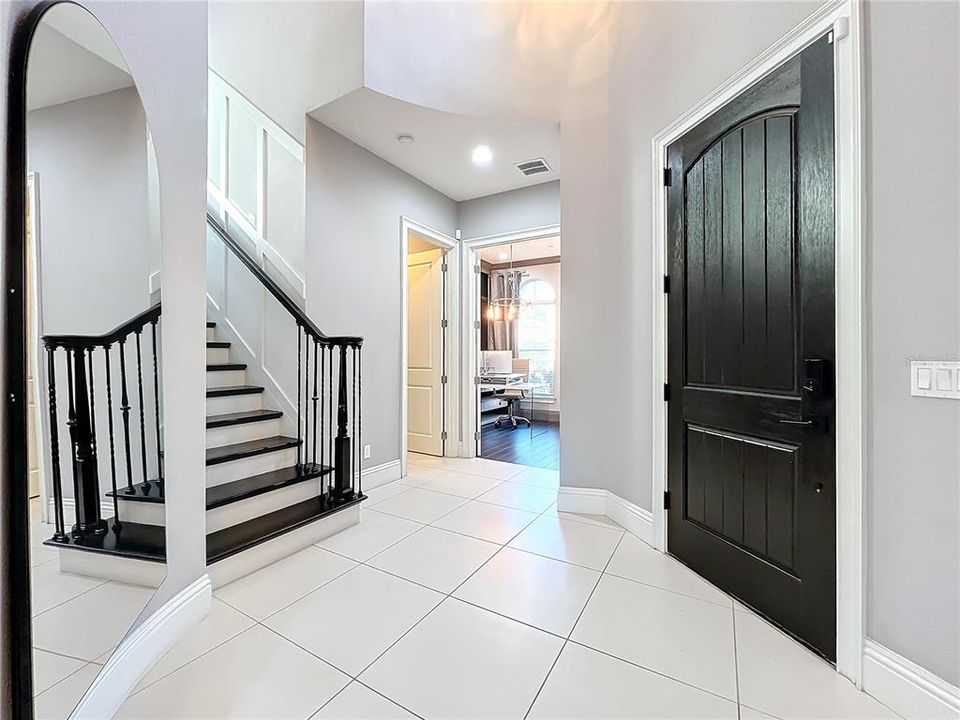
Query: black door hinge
667, 176
666, 499
666, 283
666, 392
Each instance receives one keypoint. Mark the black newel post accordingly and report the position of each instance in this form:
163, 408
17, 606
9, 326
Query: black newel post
86, 475
343, 473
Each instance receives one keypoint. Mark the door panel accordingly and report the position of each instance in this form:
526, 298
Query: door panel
751, 323
425, 352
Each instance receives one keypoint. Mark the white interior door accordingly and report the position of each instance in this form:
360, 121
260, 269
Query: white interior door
425, 352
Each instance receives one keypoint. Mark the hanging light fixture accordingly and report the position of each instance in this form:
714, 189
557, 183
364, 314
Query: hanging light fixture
511, 304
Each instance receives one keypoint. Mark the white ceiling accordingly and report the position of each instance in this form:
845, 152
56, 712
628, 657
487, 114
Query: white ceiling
528, 250
440, 154
62, 70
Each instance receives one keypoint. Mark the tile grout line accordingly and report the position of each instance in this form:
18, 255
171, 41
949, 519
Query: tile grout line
572, 628
736, 661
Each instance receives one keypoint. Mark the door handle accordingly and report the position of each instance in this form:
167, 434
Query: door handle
805, 423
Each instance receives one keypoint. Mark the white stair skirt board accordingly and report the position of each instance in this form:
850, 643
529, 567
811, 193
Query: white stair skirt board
231, 434
243, 563
112, 567
218, 356
226, 378
211, 334
245, 467
234, 403
598, 501
233, 514
142, 648
905, 687
381, 474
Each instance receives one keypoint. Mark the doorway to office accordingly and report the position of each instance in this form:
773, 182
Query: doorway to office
427, 300
516, 348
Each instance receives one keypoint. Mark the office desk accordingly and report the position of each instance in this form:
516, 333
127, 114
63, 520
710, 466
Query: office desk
527, 390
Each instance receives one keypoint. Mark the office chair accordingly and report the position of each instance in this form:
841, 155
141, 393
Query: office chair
513, 397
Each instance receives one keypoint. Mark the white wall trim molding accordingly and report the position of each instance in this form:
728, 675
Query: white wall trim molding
843, 17
141, 649
381, 474
451, 416
70, 510
153, 282
905, 687
599, 501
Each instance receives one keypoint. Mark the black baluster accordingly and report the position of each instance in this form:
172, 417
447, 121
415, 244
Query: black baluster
125, 413
113, 461
353, 410
299, 438
72, 432
330, 417
93, 414
342, 472
58, 535
143, 424
306, 395
316, 351
156, 405
323, 384
360, 416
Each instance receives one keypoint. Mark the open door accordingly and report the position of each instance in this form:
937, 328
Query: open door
425, 376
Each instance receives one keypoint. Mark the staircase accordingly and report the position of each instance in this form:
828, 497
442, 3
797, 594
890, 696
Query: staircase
270, 489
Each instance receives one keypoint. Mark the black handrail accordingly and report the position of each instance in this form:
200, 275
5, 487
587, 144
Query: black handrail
90, 341
270, 284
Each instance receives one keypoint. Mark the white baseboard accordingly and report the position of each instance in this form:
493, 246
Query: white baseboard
70, 511
381, 474
905, 687
598, 501
141, 649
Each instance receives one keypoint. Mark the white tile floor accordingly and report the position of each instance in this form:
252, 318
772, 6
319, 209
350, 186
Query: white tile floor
464, 593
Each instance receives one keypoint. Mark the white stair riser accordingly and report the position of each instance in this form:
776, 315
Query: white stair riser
248, 561
226, 378
234, 403
245, 467
211, 334
227, 515
230, 434
218, 355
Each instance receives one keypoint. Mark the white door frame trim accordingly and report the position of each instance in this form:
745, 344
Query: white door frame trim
843, 17
471, 313
451, 349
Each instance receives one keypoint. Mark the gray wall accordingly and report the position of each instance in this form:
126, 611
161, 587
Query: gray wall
522, 209
911, 505
354, 204
91, 159
913, 306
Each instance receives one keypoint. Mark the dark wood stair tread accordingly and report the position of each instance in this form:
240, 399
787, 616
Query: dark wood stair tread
236, 451
231, 492
242, 418
228, 390
237, 538
134, 540
218, 367
217, 344
211, 324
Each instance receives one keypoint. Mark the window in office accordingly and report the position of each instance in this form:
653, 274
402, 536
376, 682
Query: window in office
537, 333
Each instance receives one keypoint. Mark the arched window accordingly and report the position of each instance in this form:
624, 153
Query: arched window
537, 332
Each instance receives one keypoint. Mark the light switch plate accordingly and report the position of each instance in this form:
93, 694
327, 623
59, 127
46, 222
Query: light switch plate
935, 379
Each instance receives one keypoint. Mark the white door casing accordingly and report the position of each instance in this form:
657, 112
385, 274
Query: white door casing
425, 352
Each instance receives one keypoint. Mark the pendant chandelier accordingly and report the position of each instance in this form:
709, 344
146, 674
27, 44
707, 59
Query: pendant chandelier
509, 306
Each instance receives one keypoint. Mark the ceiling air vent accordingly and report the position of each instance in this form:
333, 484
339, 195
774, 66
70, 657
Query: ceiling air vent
533, 167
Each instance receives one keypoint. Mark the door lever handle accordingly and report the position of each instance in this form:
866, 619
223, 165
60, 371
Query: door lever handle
805, 423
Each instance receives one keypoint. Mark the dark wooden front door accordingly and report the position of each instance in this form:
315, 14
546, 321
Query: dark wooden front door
751, 348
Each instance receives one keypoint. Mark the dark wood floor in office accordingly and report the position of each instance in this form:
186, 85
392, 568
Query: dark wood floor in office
514, 445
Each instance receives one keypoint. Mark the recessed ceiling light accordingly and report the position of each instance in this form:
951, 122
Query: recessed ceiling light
482, 155
503, 255
405, 139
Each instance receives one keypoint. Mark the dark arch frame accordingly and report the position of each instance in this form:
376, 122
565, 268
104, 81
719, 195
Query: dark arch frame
16, 636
